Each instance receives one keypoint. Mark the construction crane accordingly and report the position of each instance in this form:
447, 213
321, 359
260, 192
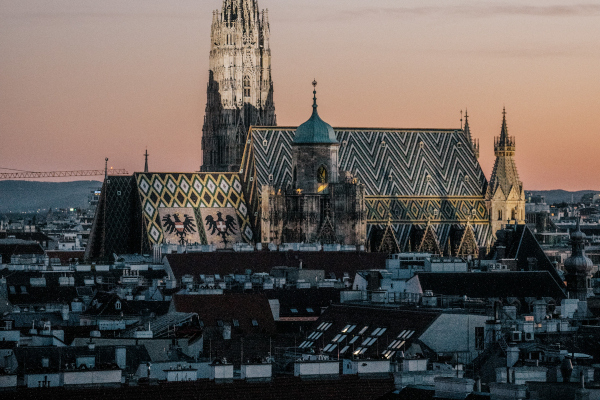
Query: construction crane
61, 174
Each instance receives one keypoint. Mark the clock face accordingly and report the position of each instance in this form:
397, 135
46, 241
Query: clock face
322, 175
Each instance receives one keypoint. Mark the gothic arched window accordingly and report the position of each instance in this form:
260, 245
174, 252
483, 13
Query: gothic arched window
246, 86
322, 175
294, 175
499, 215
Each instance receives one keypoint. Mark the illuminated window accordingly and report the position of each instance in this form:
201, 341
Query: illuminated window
322, 175
246, 86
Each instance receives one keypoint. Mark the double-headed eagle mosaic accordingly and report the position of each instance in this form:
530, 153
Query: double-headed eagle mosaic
222, 227
179, 227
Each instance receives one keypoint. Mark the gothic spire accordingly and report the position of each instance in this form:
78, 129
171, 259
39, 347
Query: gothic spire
474, 143
504, 138
504, 174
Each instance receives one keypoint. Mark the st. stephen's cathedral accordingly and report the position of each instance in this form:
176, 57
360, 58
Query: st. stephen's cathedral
389, 190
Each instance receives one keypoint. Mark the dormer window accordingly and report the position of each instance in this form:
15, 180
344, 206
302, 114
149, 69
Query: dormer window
118, 305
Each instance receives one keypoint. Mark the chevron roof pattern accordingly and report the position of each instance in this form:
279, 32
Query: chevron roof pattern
410, 175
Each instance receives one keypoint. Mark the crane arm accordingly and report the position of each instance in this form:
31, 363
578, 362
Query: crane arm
61, 174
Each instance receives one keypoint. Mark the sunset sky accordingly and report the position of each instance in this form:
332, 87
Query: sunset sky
81, 80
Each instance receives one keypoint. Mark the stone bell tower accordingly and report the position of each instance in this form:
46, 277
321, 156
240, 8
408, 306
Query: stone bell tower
240, 88
315, 154
322, 204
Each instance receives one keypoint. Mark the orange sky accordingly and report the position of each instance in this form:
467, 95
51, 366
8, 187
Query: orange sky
81, 80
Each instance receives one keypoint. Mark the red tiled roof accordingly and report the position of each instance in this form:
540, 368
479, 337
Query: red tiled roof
224, 263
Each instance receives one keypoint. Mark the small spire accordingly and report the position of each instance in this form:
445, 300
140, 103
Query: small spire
314, 83
146, 164
504, 132
106, 168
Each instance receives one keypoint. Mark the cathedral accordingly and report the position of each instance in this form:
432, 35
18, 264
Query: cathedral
381, 190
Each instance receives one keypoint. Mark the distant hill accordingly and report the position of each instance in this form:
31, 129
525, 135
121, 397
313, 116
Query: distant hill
29, 196
560, 196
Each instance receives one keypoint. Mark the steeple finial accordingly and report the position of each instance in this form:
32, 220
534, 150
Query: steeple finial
146, 164
314, 83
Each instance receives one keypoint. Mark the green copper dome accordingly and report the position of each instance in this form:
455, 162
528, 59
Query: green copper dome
315, 130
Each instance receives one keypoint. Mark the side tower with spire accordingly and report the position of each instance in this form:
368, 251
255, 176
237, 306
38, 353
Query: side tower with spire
240, 88
505, 197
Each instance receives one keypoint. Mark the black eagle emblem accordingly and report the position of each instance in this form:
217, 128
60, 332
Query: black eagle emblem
179, 227
222, 227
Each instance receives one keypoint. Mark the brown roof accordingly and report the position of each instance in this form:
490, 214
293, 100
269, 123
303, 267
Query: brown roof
228, 307
224, 263
8, 250
66, 257
394, 320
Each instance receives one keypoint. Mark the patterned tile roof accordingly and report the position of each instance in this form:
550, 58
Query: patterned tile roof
198, 190
388, 162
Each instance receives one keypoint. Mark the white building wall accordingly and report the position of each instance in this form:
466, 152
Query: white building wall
8, 381
92, 377
37, 380
316, 368
454, 333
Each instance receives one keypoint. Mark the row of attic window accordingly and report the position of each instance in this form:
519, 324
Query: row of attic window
366, 343
234, 322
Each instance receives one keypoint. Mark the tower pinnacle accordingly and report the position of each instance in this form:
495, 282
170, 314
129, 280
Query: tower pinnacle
146, 163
